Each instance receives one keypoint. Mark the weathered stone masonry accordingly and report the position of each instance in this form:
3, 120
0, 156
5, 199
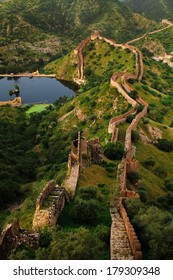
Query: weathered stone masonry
54, 197
13, 236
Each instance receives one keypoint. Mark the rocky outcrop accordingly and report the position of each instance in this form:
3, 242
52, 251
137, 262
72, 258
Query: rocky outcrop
16, 102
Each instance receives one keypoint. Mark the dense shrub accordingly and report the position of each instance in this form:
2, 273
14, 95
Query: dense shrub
86, 211
165, 145
149, 161
114, 151
130, 118
88, 192
133, 177
135, 136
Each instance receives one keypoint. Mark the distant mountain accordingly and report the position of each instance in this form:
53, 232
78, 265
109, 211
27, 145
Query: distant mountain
46, 28
153, 9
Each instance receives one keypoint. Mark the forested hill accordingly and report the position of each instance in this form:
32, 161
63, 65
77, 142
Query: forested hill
47, 28
75, 18
153, 9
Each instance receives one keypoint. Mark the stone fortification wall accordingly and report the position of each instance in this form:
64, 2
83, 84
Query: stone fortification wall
122, 91
49, 205
133, 125
44, 194
134, 242
170, 24
8, 239
82, 154
78, 51
114, 137
13, 236
119, 80
120, 119
74, 166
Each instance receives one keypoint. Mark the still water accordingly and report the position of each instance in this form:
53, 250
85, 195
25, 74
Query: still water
35, 90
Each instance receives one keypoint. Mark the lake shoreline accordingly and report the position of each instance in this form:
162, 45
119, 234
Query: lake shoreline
45, 90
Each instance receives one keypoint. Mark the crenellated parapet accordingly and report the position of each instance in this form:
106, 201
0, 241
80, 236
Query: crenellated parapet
133, 239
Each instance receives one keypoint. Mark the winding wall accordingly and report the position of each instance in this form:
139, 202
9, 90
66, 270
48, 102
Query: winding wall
119, 80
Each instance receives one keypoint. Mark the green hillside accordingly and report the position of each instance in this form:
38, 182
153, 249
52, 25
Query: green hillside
35, 141
35, 32
152, 9
49, 135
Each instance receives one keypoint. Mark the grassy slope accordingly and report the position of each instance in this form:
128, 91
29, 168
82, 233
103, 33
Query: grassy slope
37, 108
156, 87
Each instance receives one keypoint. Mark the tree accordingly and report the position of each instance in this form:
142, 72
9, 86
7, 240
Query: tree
149, 161
78, 244
88, 193
133, 177
86, 211
130, 118
114, 151
165, 145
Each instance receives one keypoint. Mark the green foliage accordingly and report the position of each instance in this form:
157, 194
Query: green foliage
60, 101
143, 195
135, 136
160, 171
79, 244
86, 205
23, 252
153, 9
50, 33
10, 192
88, 193
169, 185
130, 118
165, 145
86, 211
45, 238
133, 177
153, 226
114, 151
149, 161
133, 94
